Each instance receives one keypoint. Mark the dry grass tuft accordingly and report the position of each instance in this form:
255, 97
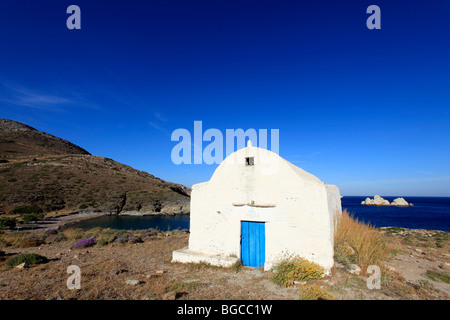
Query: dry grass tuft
358, 242
313, 292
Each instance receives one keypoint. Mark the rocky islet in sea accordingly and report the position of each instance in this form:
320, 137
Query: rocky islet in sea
379, 201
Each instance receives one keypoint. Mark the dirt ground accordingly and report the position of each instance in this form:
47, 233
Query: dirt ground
106, 269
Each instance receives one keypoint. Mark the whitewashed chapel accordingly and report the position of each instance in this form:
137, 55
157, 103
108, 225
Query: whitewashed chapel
258, 207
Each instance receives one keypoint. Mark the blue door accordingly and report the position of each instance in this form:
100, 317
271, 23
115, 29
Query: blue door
253, 244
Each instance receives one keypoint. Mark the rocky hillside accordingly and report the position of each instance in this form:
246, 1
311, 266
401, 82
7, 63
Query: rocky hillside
46, 173
18, 141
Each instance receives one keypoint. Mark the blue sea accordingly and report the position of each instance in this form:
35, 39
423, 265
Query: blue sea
428, 213
160, 222
431, 213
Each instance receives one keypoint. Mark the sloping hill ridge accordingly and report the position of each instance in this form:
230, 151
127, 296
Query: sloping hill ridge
17, 140
41, 170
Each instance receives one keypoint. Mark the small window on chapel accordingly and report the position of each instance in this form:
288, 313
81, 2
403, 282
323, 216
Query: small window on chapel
249, 161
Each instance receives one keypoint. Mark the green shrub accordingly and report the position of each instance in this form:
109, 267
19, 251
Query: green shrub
29, 217
105, 238
93, 233
6, 222
295, 268
27, 209
28, 258
83, 206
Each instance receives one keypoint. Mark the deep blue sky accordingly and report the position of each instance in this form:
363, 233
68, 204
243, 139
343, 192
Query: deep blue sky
367, 110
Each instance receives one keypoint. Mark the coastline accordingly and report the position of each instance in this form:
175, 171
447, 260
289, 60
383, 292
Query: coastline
62, 222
